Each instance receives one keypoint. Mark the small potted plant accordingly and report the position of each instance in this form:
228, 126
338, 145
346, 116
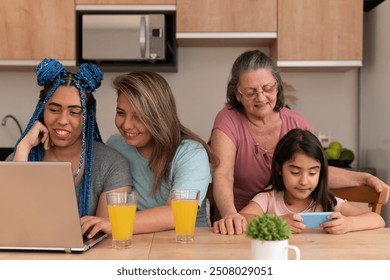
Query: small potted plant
270, 234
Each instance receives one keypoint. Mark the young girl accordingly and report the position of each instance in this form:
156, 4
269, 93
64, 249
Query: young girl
299, 183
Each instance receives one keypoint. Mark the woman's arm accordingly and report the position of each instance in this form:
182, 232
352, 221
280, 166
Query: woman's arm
36, 135
154, 219
225, 152
339, 178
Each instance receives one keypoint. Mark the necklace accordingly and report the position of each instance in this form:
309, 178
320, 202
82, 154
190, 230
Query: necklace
309, 206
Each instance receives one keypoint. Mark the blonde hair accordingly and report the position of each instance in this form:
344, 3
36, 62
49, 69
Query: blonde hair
150, 93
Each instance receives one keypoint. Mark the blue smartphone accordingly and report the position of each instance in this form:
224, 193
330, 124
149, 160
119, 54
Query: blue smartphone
314, 219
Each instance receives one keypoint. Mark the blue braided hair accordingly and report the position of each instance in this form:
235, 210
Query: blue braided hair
51, 74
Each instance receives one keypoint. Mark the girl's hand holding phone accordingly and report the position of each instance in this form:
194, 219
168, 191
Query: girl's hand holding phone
338, 225
295, 222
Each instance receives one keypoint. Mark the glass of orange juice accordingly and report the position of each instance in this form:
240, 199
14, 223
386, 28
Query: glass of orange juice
185, 208
121, 211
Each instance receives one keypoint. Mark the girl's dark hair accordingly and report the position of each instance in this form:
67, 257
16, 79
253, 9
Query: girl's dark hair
251, 61
305, 142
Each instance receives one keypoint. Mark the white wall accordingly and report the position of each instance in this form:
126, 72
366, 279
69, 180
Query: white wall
375, 95
327, 99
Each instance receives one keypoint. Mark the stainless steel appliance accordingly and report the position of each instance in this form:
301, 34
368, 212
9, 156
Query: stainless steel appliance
127, 39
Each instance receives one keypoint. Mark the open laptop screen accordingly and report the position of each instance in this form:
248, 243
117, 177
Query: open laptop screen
38, 207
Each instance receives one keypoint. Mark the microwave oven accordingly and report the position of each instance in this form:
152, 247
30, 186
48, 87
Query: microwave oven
126, 40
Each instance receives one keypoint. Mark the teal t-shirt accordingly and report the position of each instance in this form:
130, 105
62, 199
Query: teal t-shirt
190, 169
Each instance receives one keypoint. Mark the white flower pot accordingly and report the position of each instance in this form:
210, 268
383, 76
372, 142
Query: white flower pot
272, 250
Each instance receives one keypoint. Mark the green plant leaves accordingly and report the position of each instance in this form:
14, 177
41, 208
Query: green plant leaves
268, 227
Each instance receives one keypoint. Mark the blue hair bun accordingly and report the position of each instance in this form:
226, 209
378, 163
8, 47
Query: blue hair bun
90, 76
49, 70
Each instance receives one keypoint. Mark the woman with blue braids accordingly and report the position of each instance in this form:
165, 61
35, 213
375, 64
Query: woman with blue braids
63, 128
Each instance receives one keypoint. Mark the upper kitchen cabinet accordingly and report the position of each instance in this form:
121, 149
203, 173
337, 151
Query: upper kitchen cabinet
226, 22
319, 33
33, 30
125, 2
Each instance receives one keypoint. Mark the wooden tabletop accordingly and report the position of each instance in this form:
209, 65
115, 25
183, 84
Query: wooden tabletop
360, 245
316, 245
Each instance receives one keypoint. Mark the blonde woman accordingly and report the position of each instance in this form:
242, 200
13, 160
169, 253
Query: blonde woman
163, 154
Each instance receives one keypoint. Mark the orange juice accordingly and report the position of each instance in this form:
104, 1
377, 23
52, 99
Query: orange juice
122, 220
184, 215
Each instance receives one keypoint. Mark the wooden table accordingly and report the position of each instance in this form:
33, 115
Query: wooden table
363, 245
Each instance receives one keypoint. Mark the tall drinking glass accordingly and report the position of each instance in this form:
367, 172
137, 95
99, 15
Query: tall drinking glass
121, 211
185, 208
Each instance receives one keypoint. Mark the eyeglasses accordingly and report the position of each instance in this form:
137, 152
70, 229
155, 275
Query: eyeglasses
267, 90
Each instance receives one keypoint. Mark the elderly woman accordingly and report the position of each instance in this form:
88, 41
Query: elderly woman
244, 137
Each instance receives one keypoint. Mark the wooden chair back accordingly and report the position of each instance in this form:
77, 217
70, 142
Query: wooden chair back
364, 194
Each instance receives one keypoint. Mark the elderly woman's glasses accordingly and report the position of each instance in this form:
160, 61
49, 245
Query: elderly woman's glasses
267, 90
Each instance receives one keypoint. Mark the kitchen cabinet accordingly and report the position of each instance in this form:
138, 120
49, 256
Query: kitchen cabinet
125, 2
319, 33
239, 22
299, 32
33, 30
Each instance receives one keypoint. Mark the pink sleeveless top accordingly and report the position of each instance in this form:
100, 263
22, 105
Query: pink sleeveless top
252, 168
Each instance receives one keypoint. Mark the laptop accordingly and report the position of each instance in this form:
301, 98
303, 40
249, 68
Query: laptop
38, 208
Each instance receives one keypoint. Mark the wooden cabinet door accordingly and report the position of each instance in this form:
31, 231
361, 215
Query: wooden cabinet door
226, 15
320, 30
124, 2
33, 30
